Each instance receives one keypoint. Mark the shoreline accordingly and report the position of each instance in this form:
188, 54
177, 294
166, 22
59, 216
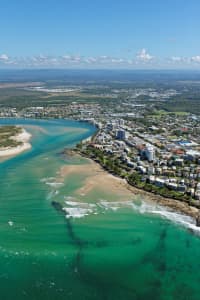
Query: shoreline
22, 137
172, 204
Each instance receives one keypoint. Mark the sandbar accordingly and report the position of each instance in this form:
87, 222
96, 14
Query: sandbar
22, 137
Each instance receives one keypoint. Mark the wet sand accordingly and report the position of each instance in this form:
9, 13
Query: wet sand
97, 178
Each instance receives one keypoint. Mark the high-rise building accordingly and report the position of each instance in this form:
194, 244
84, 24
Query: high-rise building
150, 153
121, 134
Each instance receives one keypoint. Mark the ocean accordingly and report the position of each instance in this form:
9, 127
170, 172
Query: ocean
106, 248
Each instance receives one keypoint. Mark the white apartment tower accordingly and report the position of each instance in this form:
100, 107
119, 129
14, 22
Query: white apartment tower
150, 153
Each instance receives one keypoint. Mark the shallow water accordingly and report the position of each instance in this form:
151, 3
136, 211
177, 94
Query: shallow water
111, 249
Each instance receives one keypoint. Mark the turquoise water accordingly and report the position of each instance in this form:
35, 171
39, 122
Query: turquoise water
125, 253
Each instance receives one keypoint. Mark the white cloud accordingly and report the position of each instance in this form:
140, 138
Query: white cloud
186, 60
144, 56
102, 60
4, 57
104, 57
177, 59
66, 57
90, 60
71, 59
142, 60
118, 60
195, 59
76, 59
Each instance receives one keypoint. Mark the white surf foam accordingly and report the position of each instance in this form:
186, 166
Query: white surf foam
81, 204
77, 212
51, 181
77, 209
176, 217
114, 205
46, 179
54, 184
72, 203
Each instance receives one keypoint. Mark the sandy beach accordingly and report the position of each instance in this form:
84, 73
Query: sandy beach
96, 177
22, 137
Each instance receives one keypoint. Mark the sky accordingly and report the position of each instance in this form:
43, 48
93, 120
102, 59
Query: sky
91, 34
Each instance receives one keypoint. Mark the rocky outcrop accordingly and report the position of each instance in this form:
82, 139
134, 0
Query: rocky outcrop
198, 220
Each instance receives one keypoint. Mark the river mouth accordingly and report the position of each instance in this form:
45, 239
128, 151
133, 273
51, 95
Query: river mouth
106, 244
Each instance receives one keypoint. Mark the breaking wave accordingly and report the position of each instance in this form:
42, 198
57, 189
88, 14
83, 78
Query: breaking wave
77, 209
176, 217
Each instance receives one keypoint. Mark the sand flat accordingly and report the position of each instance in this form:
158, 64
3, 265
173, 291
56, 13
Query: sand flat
96, 179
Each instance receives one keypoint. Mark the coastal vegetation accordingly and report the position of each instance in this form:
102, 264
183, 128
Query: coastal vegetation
155, 112
7, 134
115, 166
113, 108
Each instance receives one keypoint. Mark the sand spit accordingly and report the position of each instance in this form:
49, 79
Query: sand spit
22, 137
